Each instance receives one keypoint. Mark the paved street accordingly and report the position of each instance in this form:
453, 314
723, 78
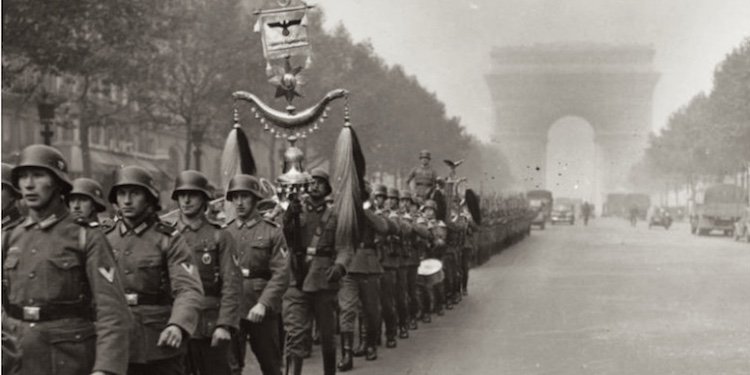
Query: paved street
603, 299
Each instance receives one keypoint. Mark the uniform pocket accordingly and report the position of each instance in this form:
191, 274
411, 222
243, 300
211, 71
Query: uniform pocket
72, 349
65, 282
151, 274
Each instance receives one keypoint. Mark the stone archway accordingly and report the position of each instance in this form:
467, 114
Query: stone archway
611, 87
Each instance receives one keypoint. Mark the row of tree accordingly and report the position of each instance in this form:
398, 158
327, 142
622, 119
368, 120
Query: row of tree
177, 62
708, 139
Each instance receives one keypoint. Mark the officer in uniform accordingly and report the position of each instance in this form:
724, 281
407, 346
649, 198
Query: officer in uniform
263, 259
86, 200
12, 216
362, 285
424, 176
162, 285
213, 250
315, 279
60, 278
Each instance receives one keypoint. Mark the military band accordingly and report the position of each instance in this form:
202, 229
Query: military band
187, 296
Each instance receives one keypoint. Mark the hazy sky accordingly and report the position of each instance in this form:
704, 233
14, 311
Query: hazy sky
446, 43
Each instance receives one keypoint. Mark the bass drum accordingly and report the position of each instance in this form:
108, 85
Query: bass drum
430, 272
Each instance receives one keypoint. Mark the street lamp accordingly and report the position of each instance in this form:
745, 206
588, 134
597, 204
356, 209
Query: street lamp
46, 109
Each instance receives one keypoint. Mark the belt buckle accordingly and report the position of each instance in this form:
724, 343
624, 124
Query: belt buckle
245, 272
312, 251
131, 298
31, 313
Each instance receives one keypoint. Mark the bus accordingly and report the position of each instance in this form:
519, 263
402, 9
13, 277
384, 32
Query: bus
718, 208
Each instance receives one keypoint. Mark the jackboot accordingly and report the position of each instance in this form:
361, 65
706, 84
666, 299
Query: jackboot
293, 365
413, 324
329, 359
346, 362
426, 318
390, 341
360, 350
371, 351
403, 332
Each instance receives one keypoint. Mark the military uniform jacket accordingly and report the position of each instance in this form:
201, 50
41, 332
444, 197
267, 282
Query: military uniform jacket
11, 218
213, 250
318, 224
57, 263
393, 251
366, 259
439, 234
417, 231
263, 259
424, 179
161, 283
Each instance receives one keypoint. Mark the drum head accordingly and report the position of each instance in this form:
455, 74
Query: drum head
429, 267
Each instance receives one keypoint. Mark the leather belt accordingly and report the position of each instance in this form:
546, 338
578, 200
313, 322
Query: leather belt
326, 253
140, 299
49, 312
256, 274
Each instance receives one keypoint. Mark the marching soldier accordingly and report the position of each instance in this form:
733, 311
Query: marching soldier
362, 284
60, 279
262, 256
424, 176
438, 230
389, 247
162, 285
400, 244
12, 216
468, 249
410, 213
213, 249
86, 200
315, 282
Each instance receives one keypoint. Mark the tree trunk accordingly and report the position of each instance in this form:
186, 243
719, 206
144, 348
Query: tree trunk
83, 139
188, 147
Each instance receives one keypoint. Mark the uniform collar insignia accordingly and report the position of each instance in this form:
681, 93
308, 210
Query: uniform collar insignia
183, 226
250, 223
60, 213
317, 207
140, 228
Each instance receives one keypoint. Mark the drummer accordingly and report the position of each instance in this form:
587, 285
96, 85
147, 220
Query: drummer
434, 294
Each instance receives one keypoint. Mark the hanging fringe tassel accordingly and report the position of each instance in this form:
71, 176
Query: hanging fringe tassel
236, 158
348, 181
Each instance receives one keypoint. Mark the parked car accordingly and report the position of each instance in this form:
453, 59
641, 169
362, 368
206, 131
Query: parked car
563, 213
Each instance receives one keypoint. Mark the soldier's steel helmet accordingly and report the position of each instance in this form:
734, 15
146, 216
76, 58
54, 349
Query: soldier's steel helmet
89, 188
191, 180
8, 180
406, 195
429, 204
244, 182
380, 190
321, 173
393, 193
46, 157
134, 176
425, 154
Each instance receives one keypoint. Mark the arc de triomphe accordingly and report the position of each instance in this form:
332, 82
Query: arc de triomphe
611, 87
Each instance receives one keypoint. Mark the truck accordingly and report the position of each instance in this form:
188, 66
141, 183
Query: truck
540, 201
717, 209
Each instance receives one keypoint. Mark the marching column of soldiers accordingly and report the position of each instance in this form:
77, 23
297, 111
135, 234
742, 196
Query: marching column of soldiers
137, 294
